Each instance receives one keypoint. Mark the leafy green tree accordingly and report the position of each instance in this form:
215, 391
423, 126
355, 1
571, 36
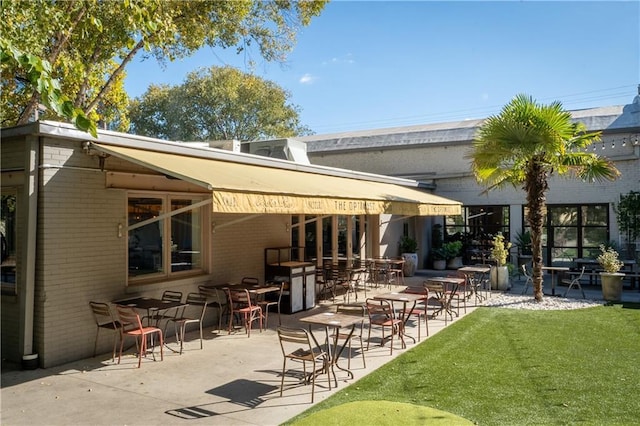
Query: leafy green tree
524, 145
38, 74
217, 103
89, 43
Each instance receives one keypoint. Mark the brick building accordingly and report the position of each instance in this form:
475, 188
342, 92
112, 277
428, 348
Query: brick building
581, 215
99, 219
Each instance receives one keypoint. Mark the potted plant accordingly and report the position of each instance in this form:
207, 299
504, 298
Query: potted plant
409, 252
500, 273
611, 278
439, 258
453, 251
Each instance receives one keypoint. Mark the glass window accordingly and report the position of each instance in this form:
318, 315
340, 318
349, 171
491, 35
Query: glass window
310, 238
355, 238
475, 227
149, 251
186, 240
574, 231
564, 216
9, 230
479, 222
595, 215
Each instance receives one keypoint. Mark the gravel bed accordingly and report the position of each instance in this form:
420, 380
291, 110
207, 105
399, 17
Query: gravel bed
549, 303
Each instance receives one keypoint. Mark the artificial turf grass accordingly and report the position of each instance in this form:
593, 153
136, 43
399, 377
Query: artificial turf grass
381, 413
502, 366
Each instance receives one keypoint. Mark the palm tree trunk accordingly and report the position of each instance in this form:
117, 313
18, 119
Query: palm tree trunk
535, 186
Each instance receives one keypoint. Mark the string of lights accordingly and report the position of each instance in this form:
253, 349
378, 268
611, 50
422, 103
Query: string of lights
634, 140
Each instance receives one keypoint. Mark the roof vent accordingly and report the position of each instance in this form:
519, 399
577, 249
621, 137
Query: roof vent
284, 149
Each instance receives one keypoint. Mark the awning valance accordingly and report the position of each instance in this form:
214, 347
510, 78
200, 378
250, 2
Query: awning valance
248, 188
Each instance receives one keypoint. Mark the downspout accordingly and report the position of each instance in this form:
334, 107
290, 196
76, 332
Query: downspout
27, 296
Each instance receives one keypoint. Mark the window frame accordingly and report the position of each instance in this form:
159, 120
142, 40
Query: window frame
548, 231
165, 217
479, 221
12, 246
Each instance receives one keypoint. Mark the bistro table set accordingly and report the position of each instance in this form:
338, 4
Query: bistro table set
331, 332
142, 318
325, 338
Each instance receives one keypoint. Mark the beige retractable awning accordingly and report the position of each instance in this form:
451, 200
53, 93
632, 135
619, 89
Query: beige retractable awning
249, 188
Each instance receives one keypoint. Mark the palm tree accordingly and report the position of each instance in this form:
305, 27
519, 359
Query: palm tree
523, 146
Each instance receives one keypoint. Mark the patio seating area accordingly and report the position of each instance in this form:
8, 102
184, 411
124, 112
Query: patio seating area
232, 380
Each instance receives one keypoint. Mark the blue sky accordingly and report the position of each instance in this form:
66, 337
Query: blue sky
367, 65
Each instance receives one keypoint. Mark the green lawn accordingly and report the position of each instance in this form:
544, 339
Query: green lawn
516, 367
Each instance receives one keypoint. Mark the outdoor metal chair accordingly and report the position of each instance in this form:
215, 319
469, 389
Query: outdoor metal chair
105, 320
192, 313
216, 298
355, 310
296, 345
267, 303
240, 303
574, 282
528, 279
250, 281
325, 283
381, 314
461, 292
438, 293
158, 316
133, 327
420, 310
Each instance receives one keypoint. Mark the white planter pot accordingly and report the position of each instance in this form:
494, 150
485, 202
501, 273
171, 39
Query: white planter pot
499, 276
439, 265
455, 263
410, 264
611, 286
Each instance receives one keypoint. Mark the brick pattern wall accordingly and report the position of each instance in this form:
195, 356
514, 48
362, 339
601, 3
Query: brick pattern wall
238, 249
80, 257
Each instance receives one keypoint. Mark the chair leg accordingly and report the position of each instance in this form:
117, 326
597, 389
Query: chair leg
328, 368
115, 342
121, 347
364, 361
313, 380
426, 320
180, 334
284, 365
161, 345
143, 349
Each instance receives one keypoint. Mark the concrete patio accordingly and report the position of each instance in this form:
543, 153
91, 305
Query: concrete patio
234, 380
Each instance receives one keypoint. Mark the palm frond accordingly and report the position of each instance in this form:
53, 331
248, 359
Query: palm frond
524, 132
590, 167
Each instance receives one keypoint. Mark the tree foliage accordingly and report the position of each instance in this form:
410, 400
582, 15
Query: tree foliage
89, 43
217, 103
524, 145
38, 74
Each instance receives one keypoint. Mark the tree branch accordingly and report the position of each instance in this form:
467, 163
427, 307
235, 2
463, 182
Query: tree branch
62, 39
115, 74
